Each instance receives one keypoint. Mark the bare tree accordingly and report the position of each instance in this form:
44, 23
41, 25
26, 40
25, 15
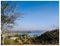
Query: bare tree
8, 16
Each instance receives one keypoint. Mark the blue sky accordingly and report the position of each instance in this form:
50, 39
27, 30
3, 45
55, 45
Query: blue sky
30, 0
40, 15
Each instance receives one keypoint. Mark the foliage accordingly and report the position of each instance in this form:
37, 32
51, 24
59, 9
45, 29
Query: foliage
49, 37
8, 15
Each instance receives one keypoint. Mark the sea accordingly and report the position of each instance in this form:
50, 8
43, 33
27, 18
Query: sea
36, 32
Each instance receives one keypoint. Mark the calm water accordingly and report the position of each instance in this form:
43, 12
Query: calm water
35, 33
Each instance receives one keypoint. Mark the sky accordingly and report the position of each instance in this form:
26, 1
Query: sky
37, 15
30, 0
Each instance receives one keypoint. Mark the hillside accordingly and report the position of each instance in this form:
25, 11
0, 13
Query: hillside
49, 37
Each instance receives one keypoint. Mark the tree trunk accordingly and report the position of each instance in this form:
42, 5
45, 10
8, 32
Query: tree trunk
3, 39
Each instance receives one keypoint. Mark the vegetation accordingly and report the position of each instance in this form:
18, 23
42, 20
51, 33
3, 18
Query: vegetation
8, 16
49, 37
